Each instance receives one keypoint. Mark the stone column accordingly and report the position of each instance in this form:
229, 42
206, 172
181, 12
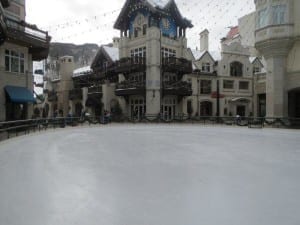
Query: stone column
275, 53
153, 71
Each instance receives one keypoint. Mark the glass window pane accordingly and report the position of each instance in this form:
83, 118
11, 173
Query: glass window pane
15, 65
7, 63
22, 68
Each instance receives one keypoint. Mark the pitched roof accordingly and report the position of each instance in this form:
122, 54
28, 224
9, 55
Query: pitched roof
199, 54
81, 71
157, 7
233, 32
158, 3
112, 52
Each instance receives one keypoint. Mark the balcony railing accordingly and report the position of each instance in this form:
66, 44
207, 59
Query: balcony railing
95, 90
179, 88
134, 64
127, 88
177, 65
52, 96
75, 94
30, 36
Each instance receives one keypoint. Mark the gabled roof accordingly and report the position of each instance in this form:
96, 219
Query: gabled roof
159, 7
82, 71
198, 55
110, 53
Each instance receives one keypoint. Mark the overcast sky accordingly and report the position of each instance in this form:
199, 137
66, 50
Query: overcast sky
90, 21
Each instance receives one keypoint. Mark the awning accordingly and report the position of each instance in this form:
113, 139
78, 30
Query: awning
240, 99
19, 94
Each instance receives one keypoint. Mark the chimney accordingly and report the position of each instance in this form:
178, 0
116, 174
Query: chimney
116, 42
204, 39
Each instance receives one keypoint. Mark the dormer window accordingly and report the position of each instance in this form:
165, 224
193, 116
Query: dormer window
206, 67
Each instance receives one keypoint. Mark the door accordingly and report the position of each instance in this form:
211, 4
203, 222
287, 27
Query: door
241, 110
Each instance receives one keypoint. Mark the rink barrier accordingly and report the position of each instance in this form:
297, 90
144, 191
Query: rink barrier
15, 128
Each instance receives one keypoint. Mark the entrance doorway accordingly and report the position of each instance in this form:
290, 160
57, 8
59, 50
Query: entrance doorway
168, 108
241, 110
137, 108
294, 103
206, 108
262, 105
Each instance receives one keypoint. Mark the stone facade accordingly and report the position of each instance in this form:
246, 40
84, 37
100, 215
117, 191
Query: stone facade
19, 47
277, 39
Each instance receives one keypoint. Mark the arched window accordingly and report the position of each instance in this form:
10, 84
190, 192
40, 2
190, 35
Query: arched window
236, 69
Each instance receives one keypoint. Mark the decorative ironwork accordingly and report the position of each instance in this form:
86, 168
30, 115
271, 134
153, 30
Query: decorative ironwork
179, 88
128, 87
177, 65
133, 64
29, 35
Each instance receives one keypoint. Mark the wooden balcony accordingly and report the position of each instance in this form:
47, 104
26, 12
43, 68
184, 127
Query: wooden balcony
24, 34
75, 94
128, 88
52, 96
129, 65
179, 88
177, 65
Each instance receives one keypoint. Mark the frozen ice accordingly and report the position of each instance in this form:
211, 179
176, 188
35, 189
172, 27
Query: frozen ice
151, 175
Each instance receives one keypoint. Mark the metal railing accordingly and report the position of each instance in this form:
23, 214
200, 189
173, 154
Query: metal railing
23, 127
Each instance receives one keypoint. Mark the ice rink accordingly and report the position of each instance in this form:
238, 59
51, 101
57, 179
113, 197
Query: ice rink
151, 175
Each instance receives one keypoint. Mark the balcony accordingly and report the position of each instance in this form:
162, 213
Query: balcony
52, 96
22, 33
179, 88
177, 65
95, 91
75, 94
129, 65
127, 88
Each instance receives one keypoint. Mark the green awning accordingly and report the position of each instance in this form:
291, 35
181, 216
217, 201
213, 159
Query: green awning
19, 94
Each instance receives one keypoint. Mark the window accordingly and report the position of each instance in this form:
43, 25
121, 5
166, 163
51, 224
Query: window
256, 69
244, 85
228, 84
262, 18
279, 14
14, 61
144, 29
136, 32
236, 69
166, 52
205, 86
206, 67
138, 54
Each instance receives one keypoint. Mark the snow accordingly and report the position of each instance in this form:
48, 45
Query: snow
158, 3
112, 52
151, 175
214, 54
81, 71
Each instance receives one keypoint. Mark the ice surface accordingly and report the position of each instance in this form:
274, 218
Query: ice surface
151, 175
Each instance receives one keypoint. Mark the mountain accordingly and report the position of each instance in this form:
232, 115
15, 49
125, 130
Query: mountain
83, 54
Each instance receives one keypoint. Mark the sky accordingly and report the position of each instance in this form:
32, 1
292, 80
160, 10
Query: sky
90, 21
